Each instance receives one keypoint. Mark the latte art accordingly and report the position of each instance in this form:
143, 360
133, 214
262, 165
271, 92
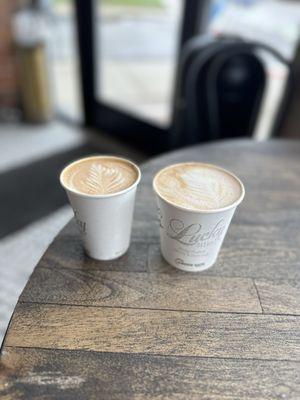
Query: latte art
101, 179
100, 175
197, 186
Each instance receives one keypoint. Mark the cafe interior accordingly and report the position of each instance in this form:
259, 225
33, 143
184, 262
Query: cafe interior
144, 79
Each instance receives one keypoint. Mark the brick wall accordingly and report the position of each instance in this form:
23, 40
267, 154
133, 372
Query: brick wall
9, 89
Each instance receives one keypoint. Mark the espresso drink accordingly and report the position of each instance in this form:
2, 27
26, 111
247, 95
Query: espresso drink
197, 186
102, 175
195, 203
101, 190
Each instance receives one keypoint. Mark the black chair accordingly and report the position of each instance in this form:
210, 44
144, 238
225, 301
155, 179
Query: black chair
220, 89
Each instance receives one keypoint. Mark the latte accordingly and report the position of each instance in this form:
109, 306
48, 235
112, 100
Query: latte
198, 186
99, 175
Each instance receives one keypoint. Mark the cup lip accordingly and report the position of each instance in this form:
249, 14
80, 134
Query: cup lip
199, 211
99, 196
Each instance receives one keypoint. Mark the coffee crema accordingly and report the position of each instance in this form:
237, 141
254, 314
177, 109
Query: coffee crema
100, 175
198, 186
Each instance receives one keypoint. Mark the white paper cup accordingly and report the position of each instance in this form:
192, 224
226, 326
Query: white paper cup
104, 221
191, 239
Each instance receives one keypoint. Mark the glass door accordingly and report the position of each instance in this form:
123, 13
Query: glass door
129, 51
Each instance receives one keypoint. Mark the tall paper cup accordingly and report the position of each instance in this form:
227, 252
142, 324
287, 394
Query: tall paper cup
104, 221
191, 239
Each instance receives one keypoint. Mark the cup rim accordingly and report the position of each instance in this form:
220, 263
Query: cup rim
99, 196
199, 211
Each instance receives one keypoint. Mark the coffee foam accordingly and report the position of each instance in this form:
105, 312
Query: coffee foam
198, 186
99, 175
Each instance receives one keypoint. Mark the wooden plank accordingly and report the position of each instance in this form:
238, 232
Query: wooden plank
67, 252
156, 332
244, 157
265, 202
271, 201
238, 262
145, 230
58, 374
279, 297
142, 290
252, 212
254, 251
69, 229
248, 251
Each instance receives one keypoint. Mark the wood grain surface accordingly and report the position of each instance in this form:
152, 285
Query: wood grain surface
136, 328
70, 375
156, 332
65, 375
153, 291
281, 297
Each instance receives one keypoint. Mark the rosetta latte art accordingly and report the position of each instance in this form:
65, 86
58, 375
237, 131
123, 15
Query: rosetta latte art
101, 179
203, 191
198, 186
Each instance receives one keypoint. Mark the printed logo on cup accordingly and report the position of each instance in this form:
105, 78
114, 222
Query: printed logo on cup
194, 234
81, 224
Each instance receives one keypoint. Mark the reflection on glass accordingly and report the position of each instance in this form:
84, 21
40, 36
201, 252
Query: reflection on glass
136, 44
64, 58
272, 22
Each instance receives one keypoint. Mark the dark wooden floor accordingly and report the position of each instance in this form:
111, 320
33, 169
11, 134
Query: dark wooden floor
136, 328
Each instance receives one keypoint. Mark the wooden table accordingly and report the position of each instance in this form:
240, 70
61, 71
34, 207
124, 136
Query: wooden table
135, 328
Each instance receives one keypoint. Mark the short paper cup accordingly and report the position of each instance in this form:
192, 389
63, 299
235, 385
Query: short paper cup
191, 239
104, 221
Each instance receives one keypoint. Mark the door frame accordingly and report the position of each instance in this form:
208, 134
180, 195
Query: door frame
102, 116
